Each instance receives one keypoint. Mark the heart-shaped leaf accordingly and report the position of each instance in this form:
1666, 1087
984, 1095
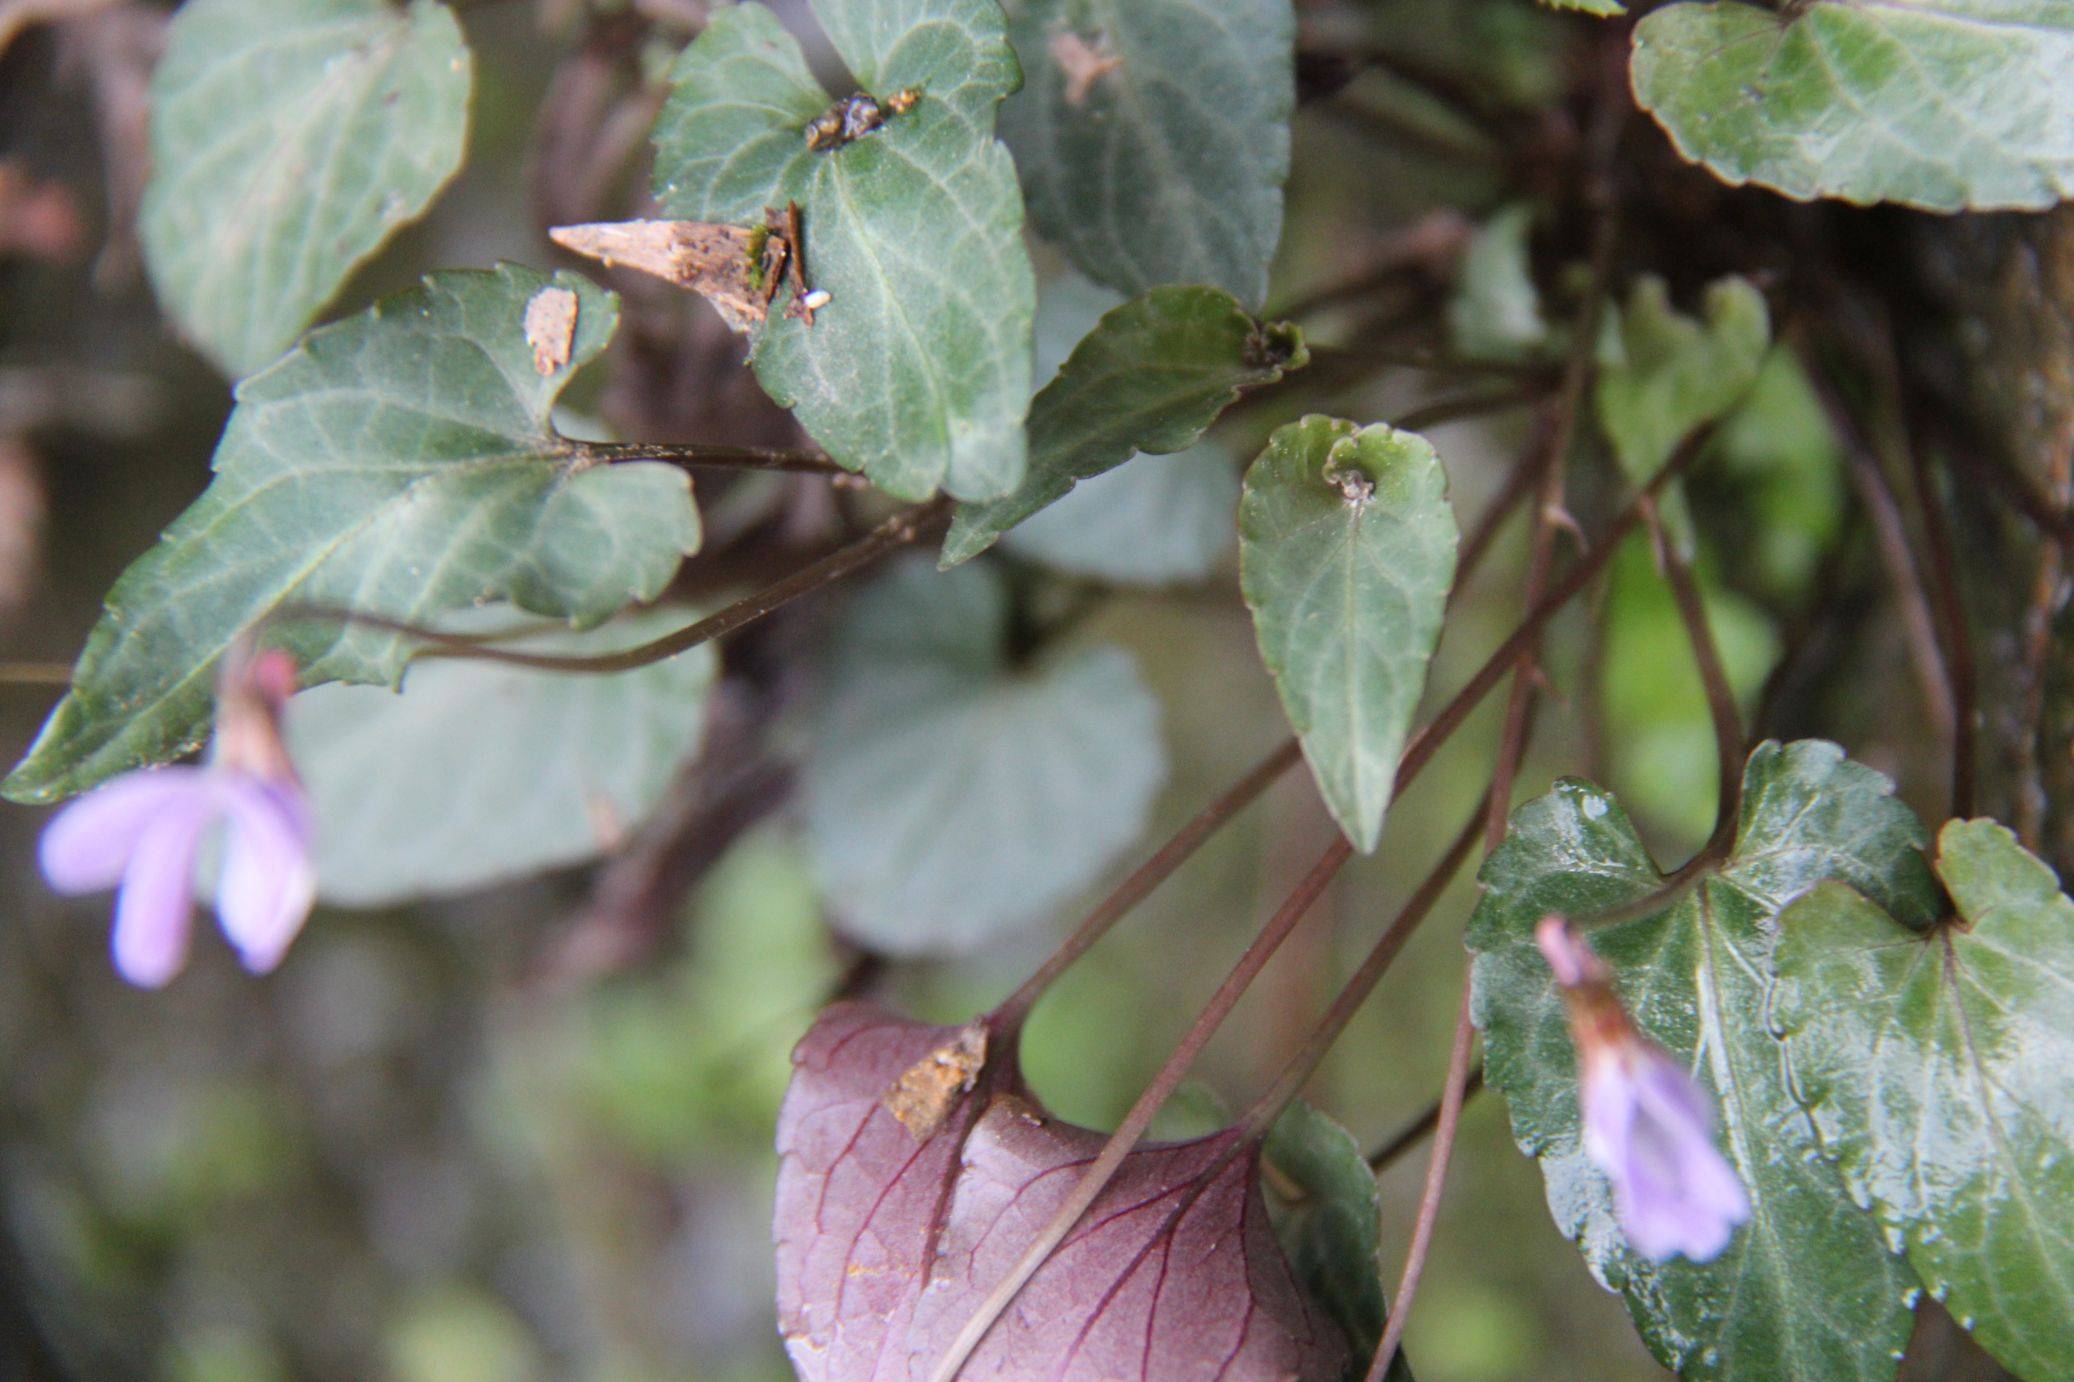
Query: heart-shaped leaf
949, 798
289, 140
399, 462
1151, 377
914, 1170
1943, 104
1346, 554
1807, 1288
1939, 1069
916, 369
1153, 135
1664, 375
479, 772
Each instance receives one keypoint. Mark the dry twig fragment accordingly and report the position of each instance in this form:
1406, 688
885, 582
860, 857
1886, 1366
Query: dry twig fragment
1083, 63
551, 328
732, 267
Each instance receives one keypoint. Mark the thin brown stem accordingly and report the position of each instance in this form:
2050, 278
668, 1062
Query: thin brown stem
1135, 1122
1453, 1092
1729, 741
35, 674
1010, 1015
708, 456
898, 531
1418, 1129
1951, 611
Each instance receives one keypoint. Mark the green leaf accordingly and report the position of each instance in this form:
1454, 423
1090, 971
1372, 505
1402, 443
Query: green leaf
289, 140
1161, 520
917, 371
1945, 105
1331, 1236
1346, 554
1807, 1288
1495, 312
480, 772
399, 462
1151, 377
1664, 375
1153, 135
1786, 467
1602, 8
951, 799
1939, 1069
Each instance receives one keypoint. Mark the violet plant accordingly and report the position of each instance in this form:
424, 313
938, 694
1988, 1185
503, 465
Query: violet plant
981, 324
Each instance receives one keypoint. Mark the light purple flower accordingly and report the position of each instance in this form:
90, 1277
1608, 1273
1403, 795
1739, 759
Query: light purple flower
1647, 1123
142, 833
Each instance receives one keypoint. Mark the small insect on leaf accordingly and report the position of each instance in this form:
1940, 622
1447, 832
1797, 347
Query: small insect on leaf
1082, 63
550, 326
926, 1090
736, 268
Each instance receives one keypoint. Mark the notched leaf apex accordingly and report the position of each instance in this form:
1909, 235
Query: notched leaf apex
926, 1091
1277, 346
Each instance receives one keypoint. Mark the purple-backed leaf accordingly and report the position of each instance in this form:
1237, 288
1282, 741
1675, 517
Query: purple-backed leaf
915, 1169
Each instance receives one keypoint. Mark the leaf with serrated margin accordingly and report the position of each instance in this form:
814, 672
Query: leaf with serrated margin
917, 369
1946, 105
950, 799
1806, 1288
1151, 377
1153, 135
399, 463
888, 1238
1346, 556
289, 140
480, 772
1939, 1069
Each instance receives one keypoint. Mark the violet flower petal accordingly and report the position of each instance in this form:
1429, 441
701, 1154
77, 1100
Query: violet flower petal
1650, 1128
87, 846
157, 900
268, 882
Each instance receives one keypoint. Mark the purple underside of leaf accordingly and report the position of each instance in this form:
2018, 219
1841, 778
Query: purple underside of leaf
1174, 1271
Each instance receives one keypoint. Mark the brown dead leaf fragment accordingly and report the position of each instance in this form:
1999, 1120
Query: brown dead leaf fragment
887, 1244
551, 328
926, 1090
1082, 63
730, 266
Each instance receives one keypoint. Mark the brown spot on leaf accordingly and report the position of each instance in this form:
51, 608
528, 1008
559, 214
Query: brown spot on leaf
724, 264
551, 328
1083, 63
925, 1091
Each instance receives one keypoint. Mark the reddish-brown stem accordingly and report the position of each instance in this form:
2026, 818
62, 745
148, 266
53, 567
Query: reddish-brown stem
1009, 1017
1107, 1162
1706, 657
1453, 1091
1417, 1130
1290, 1080
706, 456
898, 531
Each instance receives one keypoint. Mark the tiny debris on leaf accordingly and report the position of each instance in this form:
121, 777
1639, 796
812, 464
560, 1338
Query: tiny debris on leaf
551, 328
926, 1091
1082, 63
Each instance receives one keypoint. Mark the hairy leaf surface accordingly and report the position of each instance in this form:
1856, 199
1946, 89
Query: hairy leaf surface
916, 370
1939, 1070
1807, 1288
1346, 555
289, 140
950, 798
1947, 105
478, 772
888, 1239
399, 462
1153, 135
